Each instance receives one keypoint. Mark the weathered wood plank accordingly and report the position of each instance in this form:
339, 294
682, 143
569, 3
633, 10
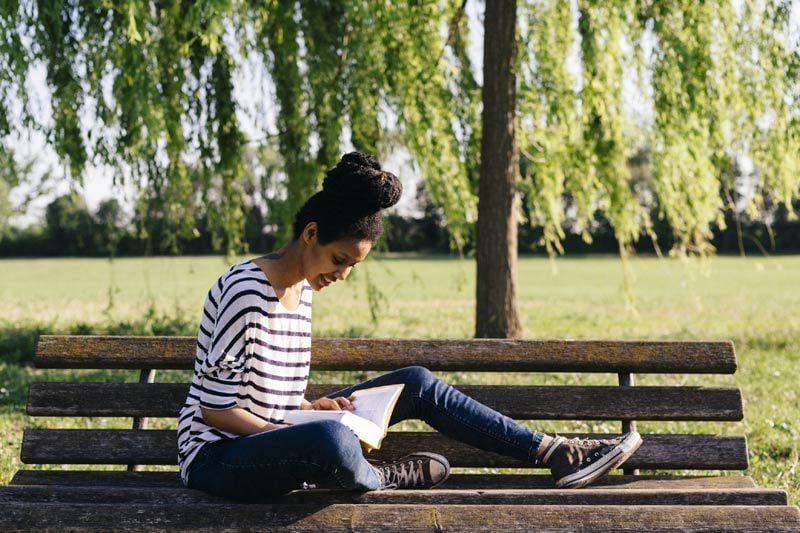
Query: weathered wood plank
102, 446
519, 402
381, 518
96, 478
501, 355
443, 496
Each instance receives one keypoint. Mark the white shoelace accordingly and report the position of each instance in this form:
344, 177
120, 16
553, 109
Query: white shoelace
402, 474
559, 440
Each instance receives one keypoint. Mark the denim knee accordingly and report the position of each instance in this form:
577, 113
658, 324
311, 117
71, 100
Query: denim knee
417, 379
335, 441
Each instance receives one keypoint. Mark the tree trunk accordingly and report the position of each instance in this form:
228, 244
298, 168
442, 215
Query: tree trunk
497, 312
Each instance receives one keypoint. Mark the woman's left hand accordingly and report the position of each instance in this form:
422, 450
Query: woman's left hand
339, 403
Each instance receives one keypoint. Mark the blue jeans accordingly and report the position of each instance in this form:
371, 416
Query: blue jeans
328, 454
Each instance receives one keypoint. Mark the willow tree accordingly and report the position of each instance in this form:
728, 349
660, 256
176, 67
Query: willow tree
157, 91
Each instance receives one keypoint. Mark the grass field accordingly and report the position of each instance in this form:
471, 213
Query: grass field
754, 301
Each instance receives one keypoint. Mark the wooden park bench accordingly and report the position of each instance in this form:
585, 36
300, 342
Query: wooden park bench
132, 499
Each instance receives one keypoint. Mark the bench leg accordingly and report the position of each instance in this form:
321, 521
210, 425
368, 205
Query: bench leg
626, 380
145, 376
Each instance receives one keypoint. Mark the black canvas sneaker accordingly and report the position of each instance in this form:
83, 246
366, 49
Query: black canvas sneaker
421, 470
574, 463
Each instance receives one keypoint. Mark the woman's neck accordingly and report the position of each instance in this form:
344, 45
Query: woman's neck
284, 266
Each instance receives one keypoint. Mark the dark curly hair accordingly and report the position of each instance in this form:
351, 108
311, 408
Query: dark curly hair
350, 202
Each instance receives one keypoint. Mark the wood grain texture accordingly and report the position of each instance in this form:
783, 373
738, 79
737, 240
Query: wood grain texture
490, 355
84, 500
393, 517
103, 446
441, 496
95, 478
519, 402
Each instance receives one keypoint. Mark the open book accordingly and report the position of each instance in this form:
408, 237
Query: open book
369, 419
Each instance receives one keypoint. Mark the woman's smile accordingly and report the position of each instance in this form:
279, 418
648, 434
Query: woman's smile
325, 281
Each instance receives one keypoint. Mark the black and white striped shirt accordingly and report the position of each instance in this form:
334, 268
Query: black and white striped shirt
252, 353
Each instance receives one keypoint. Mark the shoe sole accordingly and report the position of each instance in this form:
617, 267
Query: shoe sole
610, 461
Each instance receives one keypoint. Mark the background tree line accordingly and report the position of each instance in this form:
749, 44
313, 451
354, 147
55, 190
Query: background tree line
70, 228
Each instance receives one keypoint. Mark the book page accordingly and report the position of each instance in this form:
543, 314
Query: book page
367, 431
376, 404
369, 419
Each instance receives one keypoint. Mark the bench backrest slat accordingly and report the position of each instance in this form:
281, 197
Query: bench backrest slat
488, 355
521, 402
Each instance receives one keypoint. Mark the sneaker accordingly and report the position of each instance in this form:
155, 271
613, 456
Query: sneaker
421, 470
574, 463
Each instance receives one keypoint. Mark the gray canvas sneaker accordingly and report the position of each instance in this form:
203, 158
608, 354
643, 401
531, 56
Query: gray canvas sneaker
420, 470
576, 462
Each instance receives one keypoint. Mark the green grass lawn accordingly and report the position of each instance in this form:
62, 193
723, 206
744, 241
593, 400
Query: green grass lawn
755, 302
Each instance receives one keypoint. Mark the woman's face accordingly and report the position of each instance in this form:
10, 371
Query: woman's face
327, 263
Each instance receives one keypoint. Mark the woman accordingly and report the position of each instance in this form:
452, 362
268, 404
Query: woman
253, 360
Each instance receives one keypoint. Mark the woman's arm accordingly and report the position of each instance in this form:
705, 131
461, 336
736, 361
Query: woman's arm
236, 420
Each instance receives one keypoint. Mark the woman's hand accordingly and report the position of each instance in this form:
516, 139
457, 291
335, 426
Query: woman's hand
334, 404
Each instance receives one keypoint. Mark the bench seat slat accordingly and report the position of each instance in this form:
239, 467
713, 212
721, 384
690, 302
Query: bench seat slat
441, 496
97, 478
107, 446
391, 517
519, 402
500, 355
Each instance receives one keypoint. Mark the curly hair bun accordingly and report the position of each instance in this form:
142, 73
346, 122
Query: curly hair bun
358, 181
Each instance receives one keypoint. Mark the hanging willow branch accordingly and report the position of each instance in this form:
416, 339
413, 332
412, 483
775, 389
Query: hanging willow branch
150, 88
722, 84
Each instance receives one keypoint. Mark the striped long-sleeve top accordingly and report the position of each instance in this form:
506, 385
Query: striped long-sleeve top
252, 352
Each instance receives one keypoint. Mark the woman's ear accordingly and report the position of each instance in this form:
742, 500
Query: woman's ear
310, 232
